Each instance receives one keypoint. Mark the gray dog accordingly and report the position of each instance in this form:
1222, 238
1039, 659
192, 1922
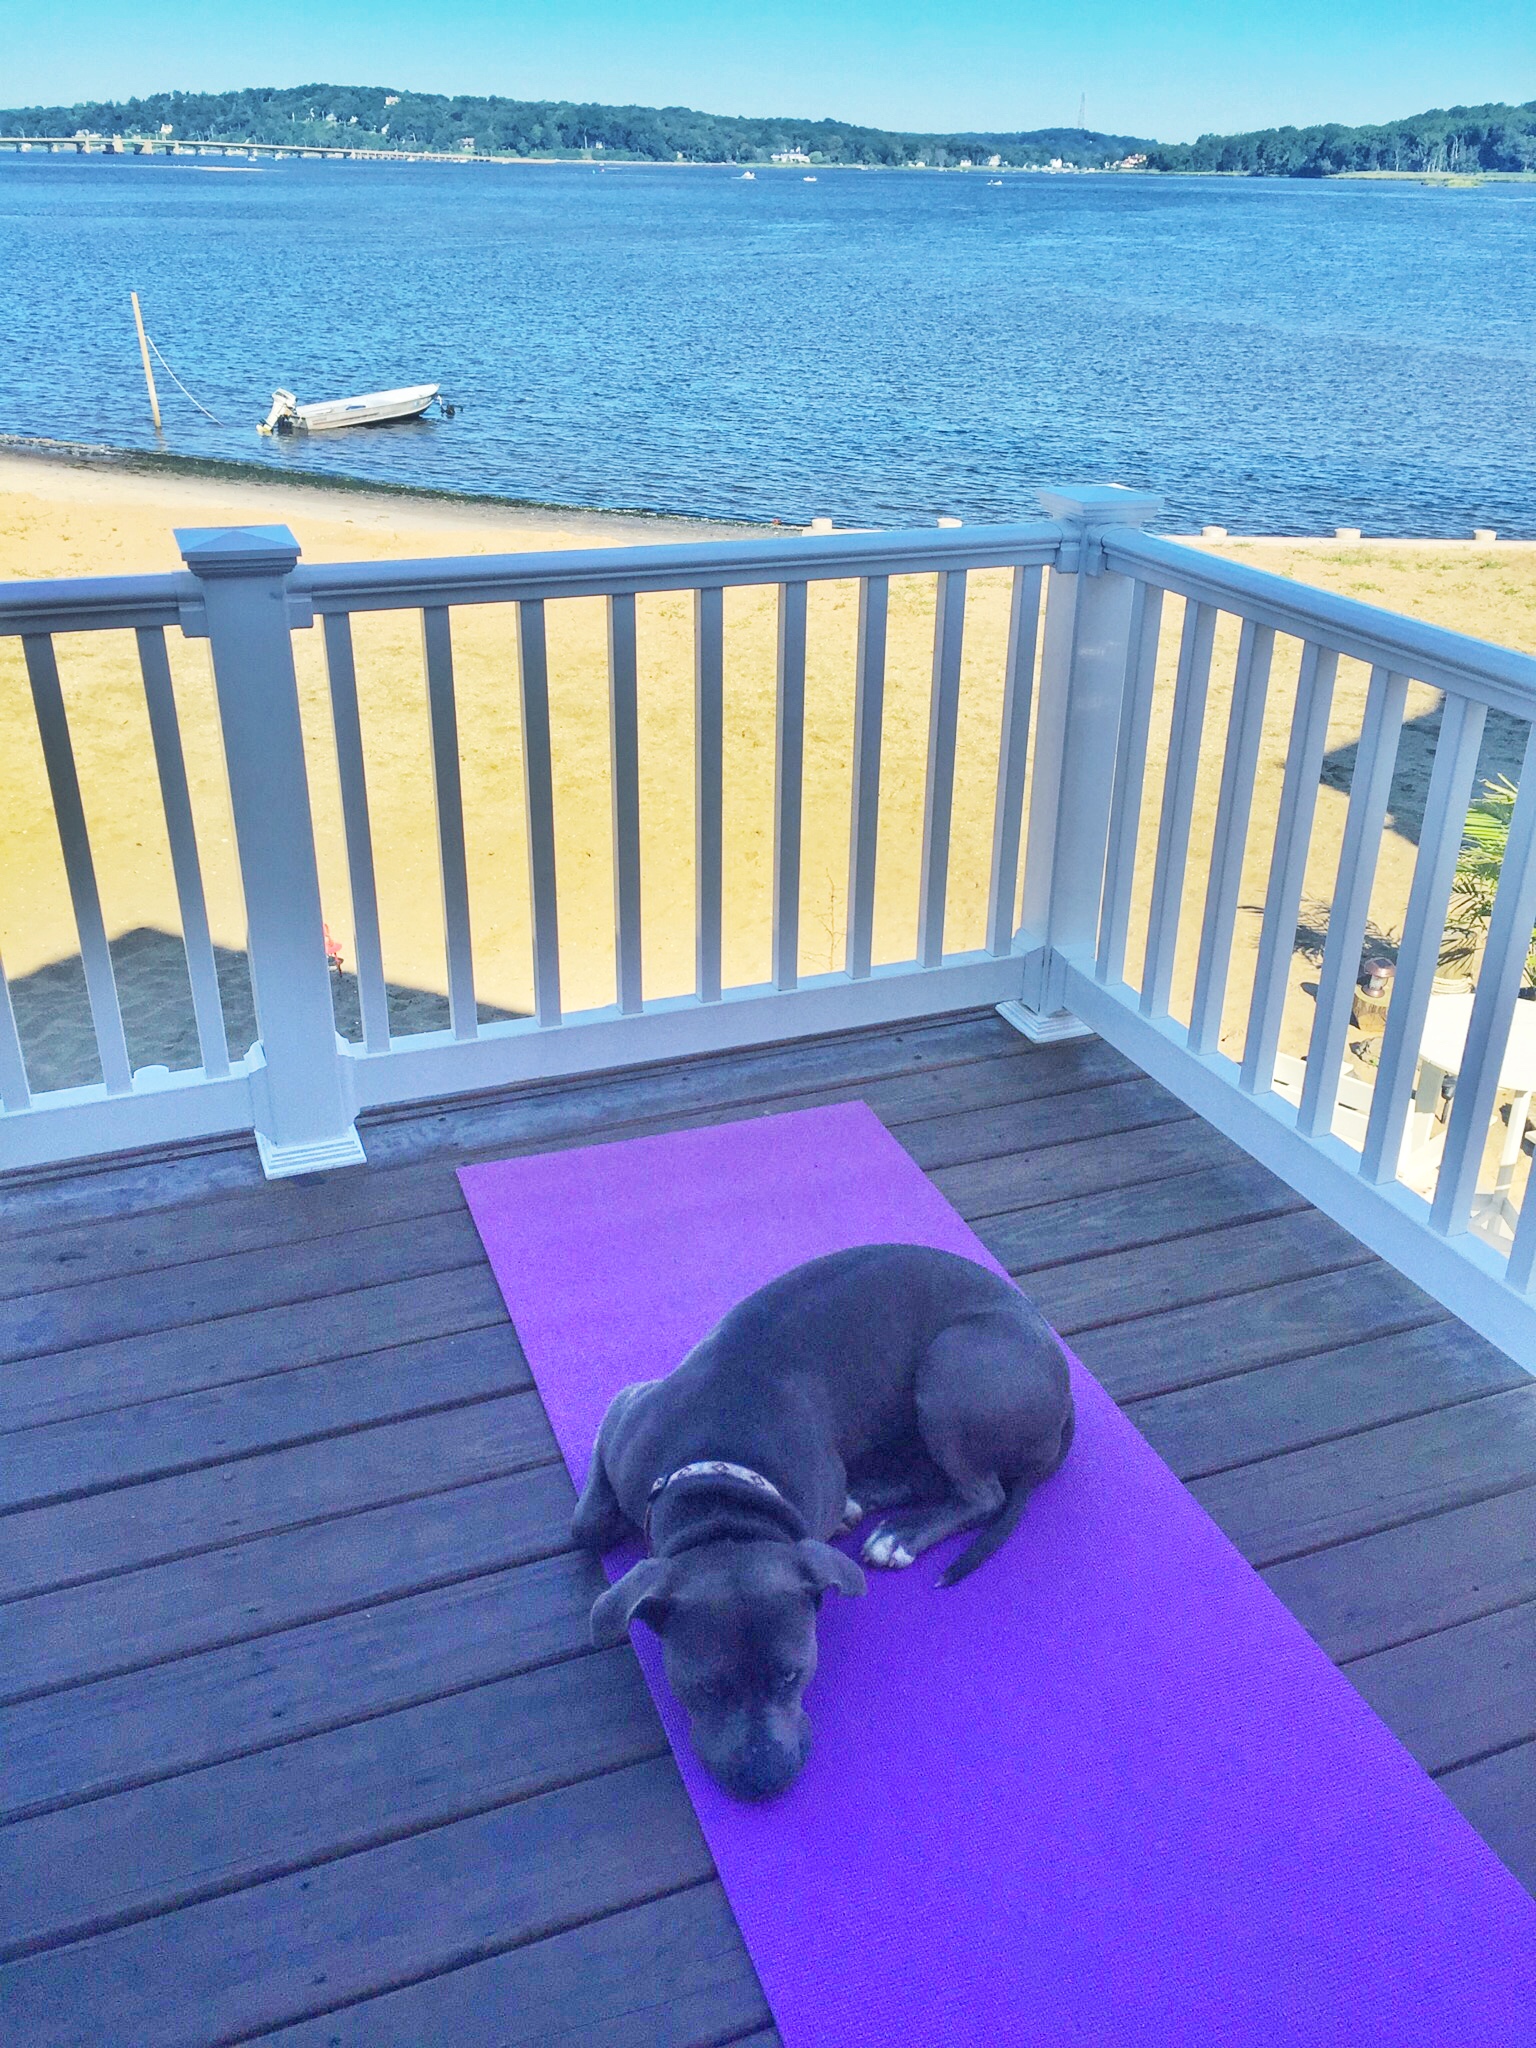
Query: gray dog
890, 1377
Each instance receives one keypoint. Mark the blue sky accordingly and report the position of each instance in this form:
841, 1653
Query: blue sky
1168, 68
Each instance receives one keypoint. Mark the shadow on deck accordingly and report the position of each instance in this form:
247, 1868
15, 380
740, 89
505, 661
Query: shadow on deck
304, 1740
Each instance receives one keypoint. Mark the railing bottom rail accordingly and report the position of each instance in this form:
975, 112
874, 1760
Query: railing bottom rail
82, 1123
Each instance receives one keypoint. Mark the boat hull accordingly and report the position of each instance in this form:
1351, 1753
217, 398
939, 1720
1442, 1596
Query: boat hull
374, 409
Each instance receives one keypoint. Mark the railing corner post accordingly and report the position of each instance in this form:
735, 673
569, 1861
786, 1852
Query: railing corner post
1082, 676
300, 1087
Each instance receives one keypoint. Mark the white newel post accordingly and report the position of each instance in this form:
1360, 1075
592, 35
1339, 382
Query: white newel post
300, 1087
1077, 720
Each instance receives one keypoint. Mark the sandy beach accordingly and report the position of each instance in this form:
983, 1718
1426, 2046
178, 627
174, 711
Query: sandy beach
60, 518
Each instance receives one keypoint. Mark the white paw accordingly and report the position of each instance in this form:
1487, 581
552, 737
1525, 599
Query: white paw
853, 1514
888, 1551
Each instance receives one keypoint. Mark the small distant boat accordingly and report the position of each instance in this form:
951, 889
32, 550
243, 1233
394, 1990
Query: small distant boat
994, 181
747, 177
807, 181
373, 409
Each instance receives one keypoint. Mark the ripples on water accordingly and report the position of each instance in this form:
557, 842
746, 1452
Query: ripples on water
1272, 356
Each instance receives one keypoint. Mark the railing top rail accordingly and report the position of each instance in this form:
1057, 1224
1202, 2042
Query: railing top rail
1498, 676
94, 604
109, 603
601, 572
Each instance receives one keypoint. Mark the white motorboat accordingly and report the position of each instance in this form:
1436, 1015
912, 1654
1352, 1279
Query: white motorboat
373, 409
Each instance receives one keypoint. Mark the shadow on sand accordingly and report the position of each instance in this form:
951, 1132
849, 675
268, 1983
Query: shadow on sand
54, 1017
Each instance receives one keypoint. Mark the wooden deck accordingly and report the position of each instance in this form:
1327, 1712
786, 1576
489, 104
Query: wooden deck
304, 1739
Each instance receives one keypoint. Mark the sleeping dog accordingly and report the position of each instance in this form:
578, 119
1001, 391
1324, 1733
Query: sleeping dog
891, 1378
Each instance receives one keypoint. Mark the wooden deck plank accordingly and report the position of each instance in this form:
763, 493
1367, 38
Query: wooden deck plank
958, 1138
671, 1974
1270, 1409
1129, 1219
432, 1233
1127, 1287
58, 1461
1406, 1582
1461, 1693
253, 1219
682, 1088
1291, 1319
977, 1066
1034, 1176
203, 1294
73, 1873
297, 1946
90, 1377
159, 1363
178, 1177
249, 1590
1355, 1485
1498, 1796
211, 1706
133, 1527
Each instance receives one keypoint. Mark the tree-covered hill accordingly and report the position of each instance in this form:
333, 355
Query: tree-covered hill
379, 117
1491, 138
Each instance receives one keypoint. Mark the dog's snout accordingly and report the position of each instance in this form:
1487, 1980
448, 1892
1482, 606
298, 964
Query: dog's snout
764, 1775
767, 1765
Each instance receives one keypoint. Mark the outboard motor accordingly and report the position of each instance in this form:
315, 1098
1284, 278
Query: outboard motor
284, 416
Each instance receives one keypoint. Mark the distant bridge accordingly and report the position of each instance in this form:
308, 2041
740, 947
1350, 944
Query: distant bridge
166, 145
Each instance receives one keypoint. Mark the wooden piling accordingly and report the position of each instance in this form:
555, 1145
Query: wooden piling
149, 375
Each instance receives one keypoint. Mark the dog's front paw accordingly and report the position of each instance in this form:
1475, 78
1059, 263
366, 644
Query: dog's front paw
853, 1514
885, 1548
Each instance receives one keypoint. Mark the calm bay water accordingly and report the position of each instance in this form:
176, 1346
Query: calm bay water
1271, 356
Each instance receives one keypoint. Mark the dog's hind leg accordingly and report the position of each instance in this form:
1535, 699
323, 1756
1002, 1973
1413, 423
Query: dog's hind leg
901, 1539
992, 1399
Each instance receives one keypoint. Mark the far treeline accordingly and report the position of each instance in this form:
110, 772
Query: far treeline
376, 117
1448, 139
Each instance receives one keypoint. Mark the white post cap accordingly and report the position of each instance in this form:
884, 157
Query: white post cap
1101, 504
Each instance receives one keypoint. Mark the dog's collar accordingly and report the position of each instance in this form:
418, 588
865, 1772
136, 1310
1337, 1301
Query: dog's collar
718, 1468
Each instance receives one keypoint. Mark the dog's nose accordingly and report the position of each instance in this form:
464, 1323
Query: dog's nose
764, 1773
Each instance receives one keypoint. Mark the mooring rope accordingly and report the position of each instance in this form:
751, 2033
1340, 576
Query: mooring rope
178, 383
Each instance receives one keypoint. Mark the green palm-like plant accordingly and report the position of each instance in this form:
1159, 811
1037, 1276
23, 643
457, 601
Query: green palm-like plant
1485, 840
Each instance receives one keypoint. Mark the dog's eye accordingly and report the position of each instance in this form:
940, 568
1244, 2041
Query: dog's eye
785, 1681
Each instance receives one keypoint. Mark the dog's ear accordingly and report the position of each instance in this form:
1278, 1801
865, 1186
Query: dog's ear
639, 1596
821, 1566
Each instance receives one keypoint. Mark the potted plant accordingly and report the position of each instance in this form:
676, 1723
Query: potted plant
1485, 840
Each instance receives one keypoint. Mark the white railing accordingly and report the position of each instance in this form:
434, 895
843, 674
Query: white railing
300, 1089
1123, 927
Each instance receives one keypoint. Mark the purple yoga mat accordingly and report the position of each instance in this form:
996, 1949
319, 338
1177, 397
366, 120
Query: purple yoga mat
1105, 1792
